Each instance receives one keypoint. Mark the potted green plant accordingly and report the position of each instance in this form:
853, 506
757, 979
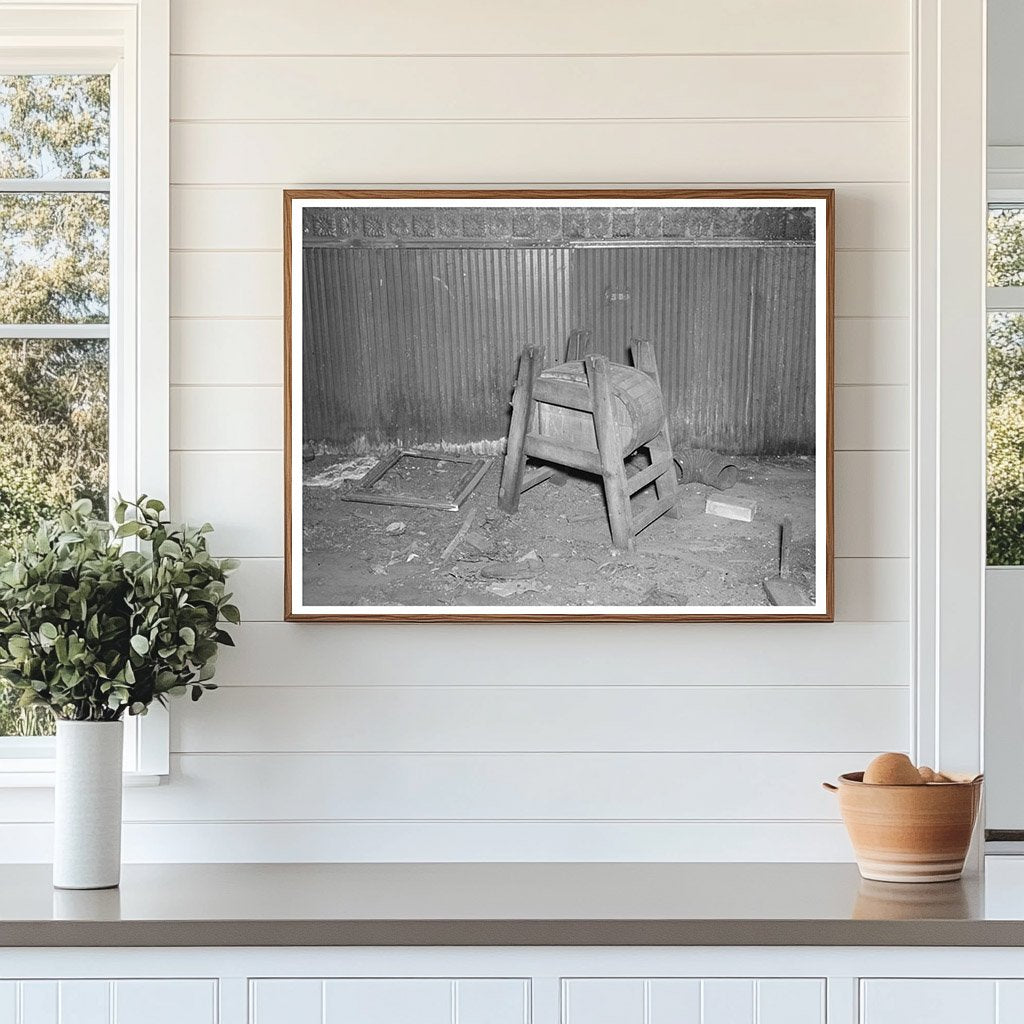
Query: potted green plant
99, 620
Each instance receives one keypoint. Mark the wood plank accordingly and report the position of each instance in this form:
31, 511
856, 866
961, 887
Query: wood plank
873, 350
873, 283
236, 284
225, 352
239, 492
494, 655
872, 589
631, 718
737, 152
258, 586
873, 418
640, 480
461, 26
218, 418
524, 413
445, 786
537, 476
872, 504
563, 393
284, 88
213, 216
652, 512
546, 450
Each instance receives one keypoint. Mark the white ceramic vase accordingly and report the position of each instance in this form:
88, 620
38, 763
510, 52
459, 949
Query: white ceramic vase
87, 806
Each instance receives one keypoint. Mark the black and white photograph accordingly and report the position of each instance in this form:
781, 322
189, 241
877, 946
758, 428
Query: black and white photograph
564, 405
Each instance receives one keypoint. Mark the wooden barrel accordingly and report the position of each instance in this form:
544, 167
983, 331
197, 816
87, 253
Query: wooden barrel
636, 401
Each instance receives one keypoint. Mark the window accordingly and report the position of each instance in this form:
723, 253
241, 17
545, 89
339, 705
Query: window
84, 125
1005, 478
54, 309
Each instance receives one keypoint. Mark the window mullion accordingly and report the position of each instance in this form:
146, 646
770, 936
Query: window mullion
54, 185
62, 332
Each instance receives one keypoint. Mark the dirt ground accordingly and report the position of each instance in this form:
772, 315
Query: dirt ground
555, 551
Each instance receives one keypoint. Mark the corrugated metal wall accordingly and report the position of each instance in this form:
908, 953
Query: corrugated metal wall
417, 345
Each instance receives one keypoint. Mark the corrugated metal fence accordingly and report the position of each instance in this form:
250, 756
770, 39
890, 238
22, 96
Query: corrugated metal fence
416, 345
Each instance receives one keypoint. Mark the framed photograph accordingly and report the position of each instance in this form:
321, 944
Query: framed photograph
558, 405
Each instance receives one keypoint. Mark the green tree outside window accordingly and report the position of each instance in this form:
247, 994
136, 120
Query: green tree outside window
54, 271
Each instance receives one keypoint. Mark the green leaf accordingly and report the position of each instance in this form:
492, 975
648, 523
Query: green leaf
140, 644
231, 613
48, 630
170, 549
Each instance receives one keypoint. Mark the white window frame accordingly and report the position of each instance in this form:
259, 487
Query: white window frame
130, 41
1003, 714
948, 466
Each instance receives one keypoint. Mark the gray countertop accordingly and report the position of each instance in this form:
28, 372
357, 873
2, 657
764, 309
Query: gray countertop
506, 904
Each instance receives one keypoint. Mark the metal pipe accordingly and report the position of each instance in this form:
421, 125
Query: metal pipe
698, 465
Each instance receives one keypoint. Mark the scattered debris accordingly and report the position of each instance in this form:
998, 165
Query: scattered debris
511, 588
348, 469
704, 560
657, 597
741, 509
457, 539
508, 571
481, 543
396, 529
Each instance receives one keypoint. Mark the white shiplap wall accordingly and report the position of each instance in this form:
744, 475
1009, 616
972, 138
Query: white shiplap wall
598, 742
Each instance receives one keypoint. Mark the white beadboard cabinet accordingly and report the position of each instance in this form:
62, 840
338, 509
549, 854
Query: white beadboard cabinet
513, 985
107, 1001
942, 1001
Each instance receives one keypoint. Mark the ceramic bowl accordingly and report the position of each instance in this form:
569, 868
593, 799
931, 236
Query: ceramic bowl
909, 833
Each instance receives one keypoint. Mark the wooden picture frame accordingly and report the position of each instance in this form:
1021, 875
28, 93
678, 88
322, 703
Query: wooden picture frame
385, 219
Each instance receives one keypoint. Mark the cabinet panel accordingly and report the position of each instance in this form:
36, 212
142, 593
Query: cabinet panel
165, 1002
674, 1000
101, 1001
84, 1002
929, 1001
388, 1001
603, 1001
693, 1001
790, 1001
8, 1002
274, 1000
728, 1001
491, 1001
39, 1002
